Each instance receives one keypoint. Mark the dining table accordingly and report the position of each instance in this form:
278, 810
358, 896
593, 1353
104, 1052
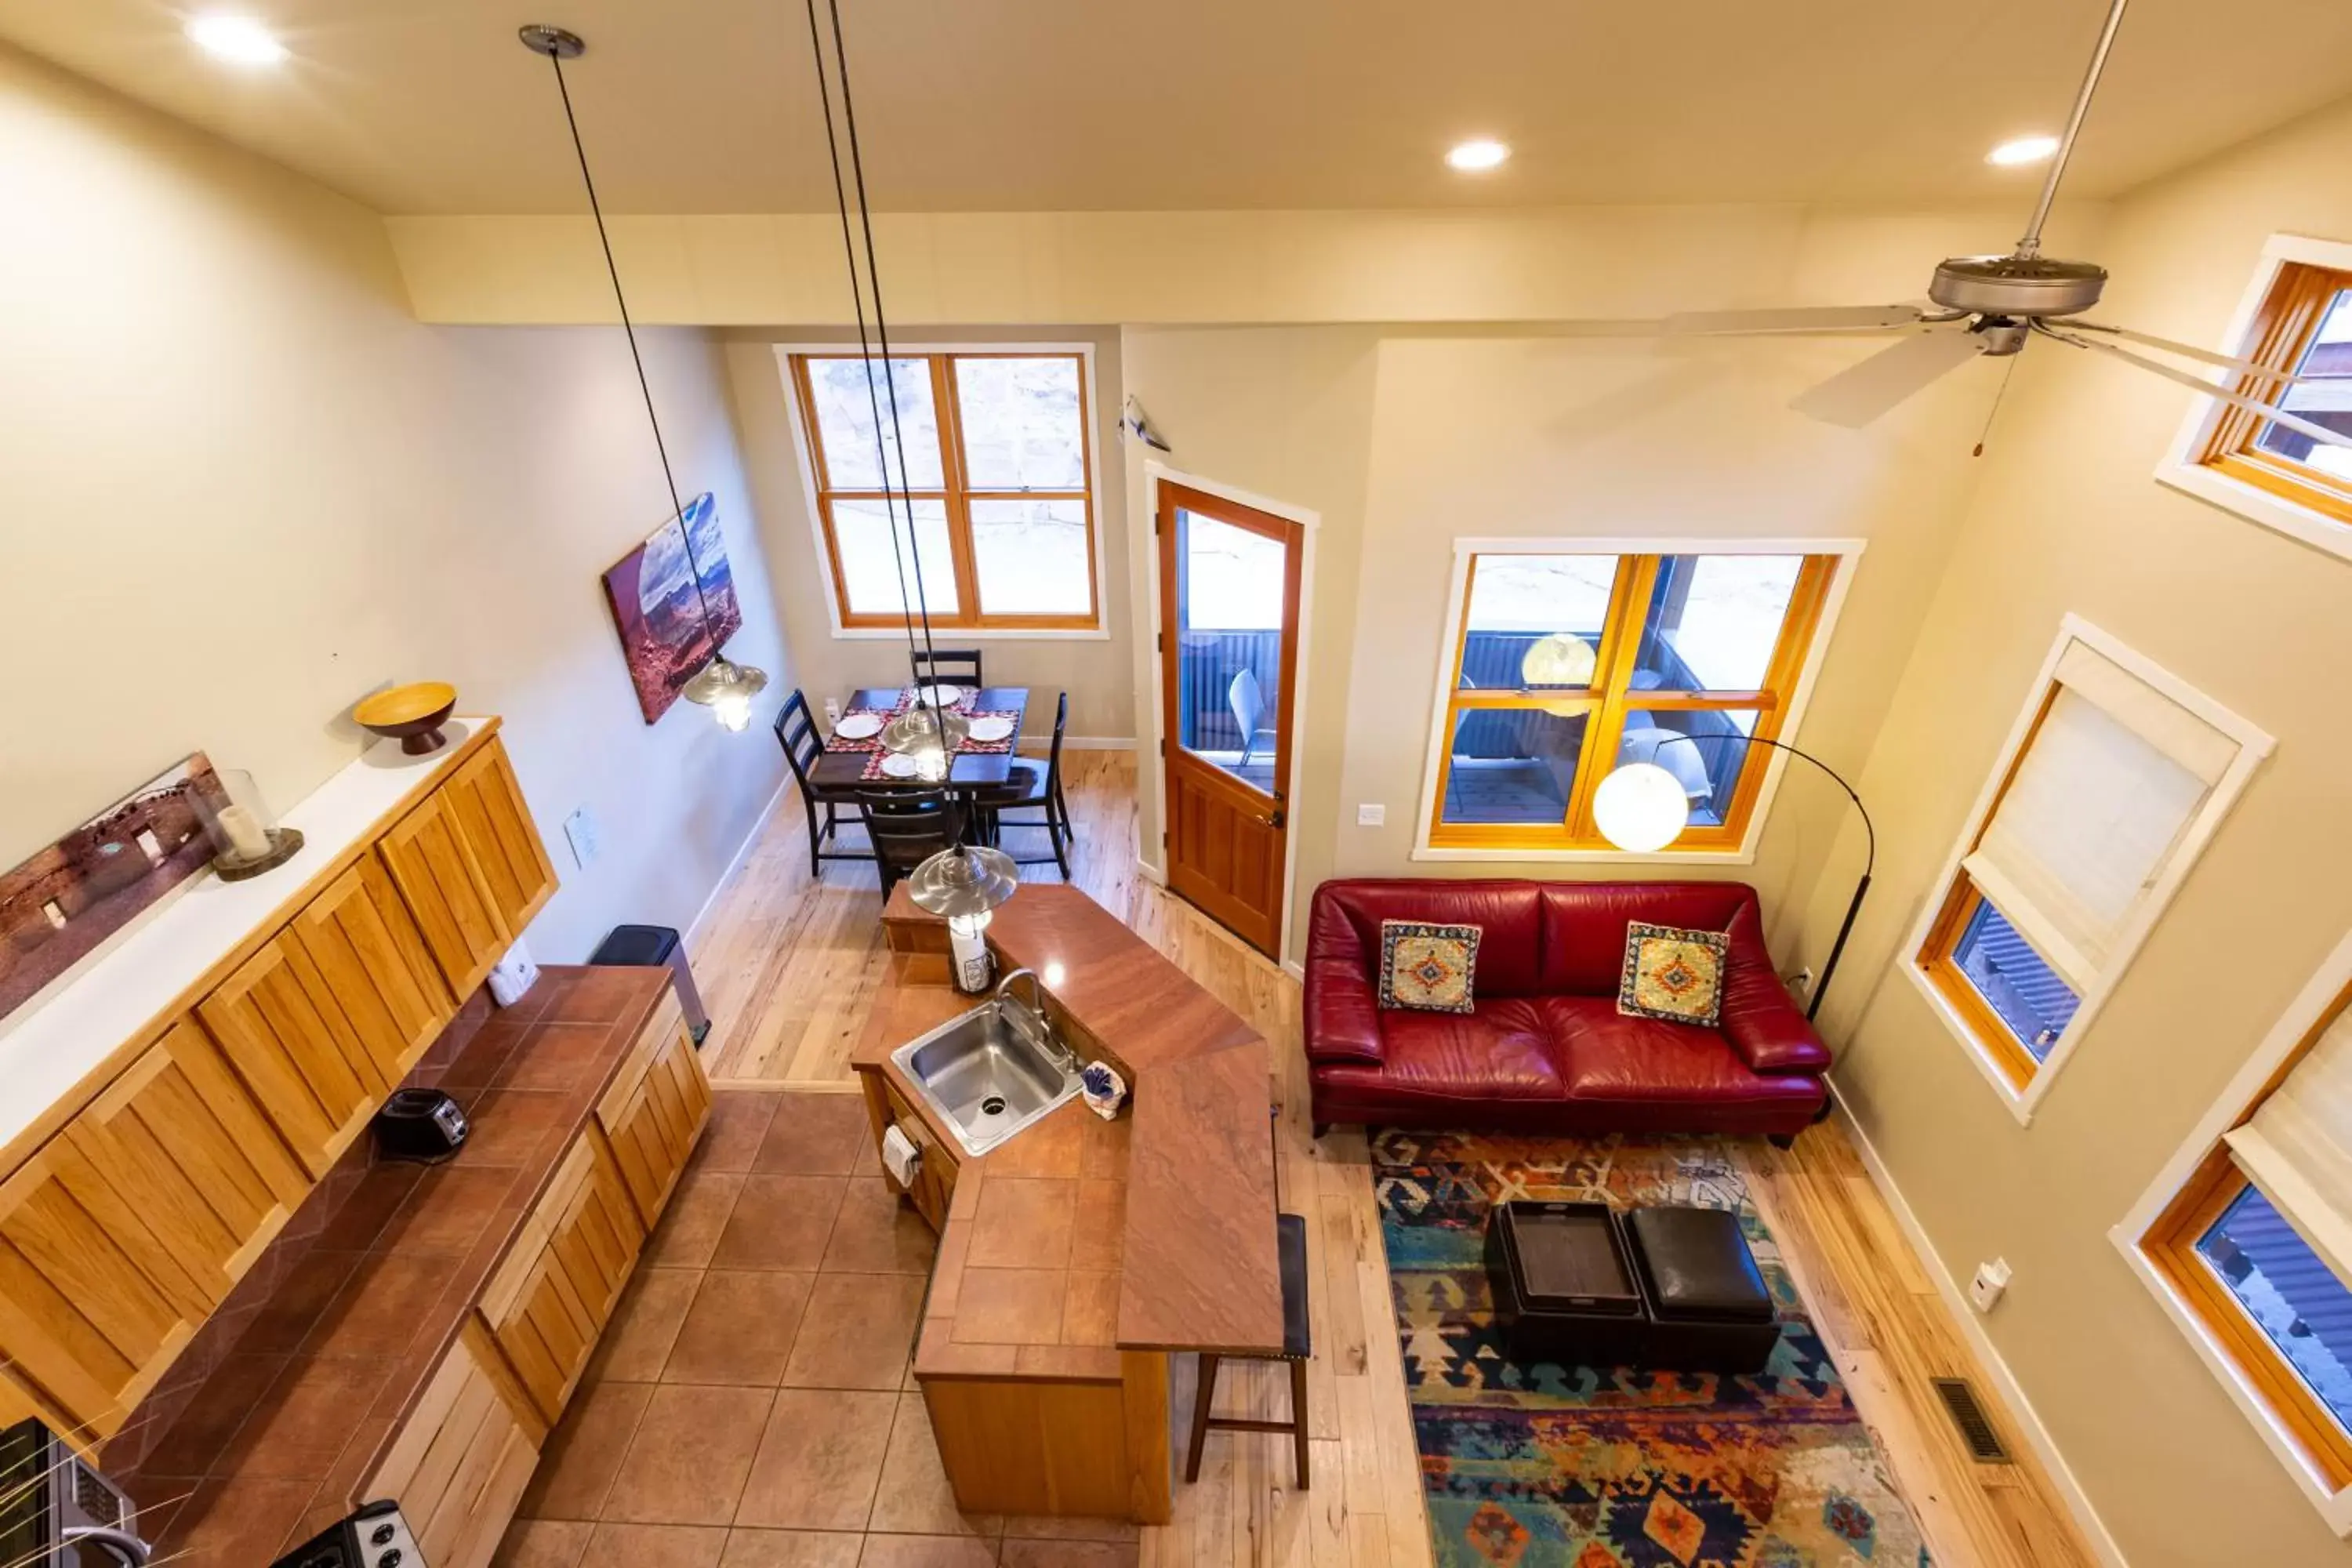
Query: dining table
850, 764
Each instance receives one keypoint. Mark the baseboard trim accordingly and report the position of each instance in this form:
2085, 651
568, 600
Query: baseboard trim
1972, 1330
759, 826
1151, 873
1295, 969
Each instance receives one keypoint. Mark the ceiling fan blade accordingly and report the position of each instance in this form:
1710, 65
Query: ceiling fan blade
1860, 393
2295, 422
2242, 366
1824, 318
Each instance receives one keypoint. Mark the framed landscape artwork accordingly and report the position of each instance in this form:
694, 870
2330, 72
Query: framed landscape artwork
663, 634
61, 903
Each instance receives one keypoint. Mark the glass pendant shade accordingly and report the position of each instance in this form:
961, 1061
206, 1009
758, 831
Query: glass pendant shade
1641, 807
920, 729
1562, 658
963, 882
726, 688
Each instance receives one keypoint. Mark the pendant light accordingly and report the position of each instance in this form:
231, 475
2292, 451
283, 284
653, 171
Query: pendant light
965, 881
721, 685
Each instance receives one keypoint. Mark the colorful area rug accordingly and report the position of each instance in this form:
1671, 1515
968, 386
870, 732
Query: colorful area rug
1540, 1466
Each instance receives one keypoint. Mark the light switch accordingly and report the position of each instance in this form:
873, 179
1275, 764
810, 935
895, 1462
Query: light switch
1369, 815
586, 837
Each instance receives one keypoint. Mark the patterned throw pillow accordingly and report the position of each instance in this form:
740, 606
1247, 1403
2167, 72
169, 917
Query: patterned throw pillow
1427, 966
1672, 973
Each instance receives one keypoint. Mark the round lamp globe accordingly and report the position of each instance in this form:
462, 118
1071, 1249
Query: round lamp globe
1641, 807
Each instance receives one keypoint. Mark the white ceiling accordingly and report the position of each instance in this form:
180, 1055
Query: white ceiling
430, 106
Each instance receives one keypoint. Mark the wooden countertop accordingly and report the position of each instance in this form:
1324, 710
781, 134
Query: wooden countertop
1080, 1238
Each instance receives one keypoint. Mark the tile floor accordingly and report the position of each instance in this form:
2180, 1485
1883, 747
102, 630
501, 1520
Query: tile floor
750, 1405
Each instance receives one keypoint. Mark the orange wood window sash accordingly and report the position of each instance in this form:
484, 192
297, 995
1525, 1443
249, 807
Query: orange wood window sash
2283, 329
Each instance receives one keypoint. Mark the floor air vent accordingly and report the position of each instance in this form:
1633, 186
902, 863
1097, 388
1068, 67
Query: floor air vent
1961, 1403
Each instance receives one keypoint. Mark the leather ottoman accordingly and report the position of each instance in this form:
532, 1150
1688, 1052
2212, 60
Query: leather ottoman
1708, 1308
1563, 1284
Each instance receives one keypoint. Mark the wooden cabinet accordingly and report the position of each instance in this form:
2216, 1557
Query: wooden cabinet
551, 1297
933, 1188
516, 872
655, 1108
431, 864
461, 1460
281, 1027
368, 952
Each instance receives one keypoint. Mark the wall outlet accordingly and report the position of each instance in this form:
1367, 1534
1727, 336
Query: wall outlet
832, 712
1802, 983
1985, 1290
1370, 816
587, 837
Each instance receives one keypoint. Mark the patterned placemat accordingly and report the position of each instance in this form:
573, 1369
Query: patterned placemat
872, 745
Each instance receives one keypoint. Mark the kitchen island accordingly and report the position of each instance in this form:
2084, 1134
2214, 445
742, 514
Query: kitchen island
1076, 1257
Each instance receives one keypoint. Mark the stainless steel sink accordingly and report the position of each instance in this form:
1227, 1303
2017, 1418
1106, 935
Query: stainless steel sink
985, 1077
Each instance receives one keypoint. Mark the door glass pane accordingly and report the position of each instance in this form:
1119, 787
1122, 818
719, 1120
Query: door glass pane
1534, 621
845, 421
1023, 429
2326, 400
2294, 1298
1714, 621
1229, 603
2024, 992
1512, 764
1708, 762
865, 535
1032, 557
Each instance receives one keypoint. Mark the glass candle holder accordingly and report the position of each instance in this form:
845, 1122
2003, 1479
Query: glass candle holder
245, 838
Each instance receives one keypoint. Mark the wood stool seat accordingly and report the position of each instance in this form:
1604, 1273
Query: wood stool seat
1297, 1346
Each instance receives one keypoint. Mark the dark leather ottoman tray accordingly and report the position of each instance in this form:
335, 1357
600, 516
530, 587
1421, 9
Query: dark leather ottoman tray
1563, 1284
1710, 1309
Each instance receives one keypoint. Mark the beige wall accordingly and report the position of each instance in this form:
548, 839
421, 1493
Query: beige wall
2069, 519
243, 488
1093, 671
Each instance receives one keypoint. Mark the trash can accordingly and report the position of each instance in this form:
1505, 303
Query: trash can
643, 946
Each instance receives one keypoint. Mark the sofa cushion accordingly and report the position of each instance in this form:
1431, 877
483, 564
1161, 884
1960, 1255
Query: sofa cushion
1764, 1024
1502, 1051
1672, 973
1605, 1055
1508, 915
1431, 967
1584, 924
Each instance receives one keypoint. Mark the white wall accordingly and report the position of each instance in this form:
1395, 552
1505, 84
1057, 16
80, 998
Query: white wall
243, 488
2069, 518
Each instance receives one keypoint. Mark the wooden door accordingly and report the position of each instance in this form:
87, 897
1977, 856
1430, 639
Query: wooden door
552, 1296
463, 1456
655, 1110
515, 869
280, 1027
1229, 582
434, 867
367, 949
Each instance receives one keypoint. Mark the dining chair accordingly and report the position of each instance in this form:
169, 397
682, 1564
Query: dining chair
1248, 703
907, 828
1025, 786
804, 747
956, 666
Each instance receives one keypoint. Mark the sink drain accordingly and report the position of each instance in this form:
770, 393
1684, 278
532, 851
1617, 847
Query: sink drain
992, 1106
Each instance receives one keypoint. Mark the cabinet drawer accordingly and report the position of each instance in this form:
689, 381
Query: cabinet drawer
553, 1294
655, 1108
459, 1463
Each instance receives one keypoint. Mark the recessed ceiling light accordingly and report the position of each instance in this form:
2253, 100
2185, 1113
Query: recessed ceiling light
240, 40
1472, 157
2024, 150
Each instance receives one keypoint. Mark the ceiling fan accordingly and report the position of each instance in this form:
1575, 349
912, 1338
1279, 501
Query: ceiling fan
1990, 306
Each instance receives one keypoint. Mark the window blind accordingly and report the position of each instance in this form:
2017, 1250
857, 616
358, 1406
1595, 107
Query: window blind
2111, 777
2298, 1147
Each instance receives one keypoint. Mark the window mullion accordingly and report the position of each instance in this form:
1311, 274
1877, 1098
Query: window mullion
1620, 651
969, 610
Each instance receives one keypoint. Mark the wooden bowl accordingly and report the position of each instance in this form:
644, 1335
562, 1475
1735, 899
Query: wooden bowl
411, 714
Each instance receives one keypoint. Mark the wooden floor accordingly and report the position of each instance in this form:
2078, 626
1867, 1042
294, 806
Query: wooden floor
788, 968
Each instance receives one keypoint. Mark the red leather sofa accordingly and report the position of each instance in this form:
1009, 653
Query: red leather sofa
1547, 1050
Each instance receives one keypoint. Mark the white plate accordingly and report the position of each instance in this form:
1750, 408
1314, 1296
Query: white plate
898, 767
858, 726
990, 727
938, 696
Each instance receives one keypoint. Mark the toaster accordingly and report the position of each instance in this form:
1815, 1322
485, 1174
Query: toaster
374, 1536
419, 1124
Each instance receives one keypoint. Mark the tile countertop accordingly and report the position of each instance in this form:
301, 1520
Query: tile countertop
1081, 1237
412, 1248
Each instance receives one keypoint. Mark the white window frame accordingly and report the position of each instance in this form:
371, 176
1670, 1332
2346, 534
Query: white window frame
2302, 1015
1849, 554
804, 455
2181, 468
2254, 745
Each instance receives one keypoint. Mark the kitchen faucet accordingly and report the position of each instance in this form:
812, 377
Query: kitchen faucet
1029, 1018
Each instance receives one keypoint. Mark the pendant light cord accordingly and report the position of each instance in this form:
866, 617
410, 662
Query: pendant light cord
628, 329
919, 604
